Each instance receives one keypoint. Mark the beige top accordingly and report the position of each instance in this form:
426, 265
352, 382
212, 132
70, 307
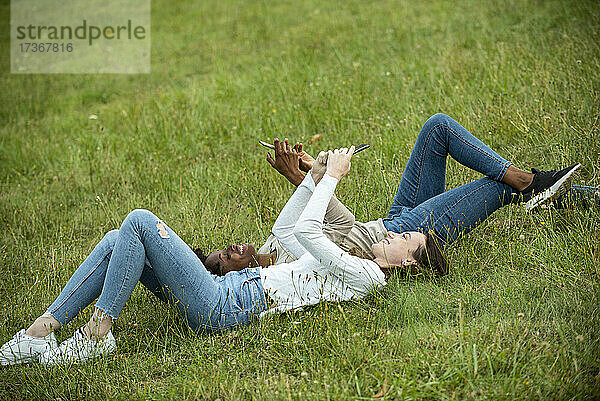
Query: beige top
364, 235
341, 228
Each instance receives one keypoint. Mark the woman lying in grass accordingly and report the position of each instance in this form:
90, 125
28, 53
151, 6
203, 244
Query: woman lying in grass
145, 249
421, 204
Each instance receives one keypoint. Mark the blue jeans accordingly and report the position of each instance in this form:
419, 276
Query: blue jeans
145, 249
579, 196
422, 204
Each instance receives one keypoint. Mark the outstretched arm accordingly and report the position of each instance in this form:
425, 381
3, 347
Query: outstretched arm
309, 223
283, 228
286, 221
309, 231
289, 161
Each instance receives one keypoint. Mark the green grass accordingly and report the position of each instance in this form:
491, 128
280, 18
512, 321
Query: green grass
517, 317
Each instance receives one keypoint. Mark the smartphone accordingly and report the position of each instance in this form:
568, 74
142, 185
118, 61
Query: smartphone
267, 145
359, 148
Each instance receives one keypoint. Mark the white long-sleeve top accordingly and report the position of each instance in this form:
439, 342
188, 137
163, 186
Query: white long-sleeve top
323, 271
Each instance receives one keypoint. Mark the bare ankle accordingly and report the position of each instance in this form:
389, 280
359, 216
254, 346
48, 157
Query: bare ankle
517, 178
98, 326
43, 326
524, 180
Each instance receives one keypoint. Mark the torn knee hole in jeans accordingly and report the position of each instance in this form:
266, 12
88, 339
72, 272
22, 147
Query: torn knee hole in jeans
162, 230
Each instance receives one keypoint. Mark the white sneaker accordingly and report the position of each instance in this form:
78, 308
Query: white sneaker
79, 348
24, 349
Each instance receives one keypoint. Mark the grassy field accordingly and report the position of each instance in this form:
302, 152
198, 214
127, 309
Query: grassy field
518, 317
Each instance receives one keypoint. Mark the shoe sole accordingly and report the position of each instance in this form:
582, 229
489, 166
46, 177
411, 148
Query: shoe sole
23, 360
74, 360
19, 362
559, 188
51, 359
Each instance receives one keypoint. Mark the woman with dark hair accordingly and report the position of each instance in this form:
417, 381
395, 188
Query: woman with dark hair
145, 249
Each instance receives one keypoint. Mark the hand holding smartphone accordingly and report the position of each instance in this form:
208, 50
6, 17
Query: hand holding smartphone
359, 148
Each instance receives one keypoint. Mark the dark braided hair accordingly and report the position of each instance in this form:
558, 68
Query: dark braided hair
214, 269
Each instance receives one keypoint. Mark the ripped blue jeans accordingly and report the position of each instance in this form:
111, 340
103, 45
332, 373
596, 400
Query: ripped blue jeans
145, 249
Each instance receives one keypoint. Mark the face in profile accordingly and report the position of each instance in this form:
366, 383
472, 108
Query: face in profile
397, 249
235, 257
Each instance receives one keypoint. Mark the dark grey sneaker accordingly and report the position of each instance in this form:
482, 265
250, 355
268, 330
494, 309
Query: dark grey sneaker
547, 185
